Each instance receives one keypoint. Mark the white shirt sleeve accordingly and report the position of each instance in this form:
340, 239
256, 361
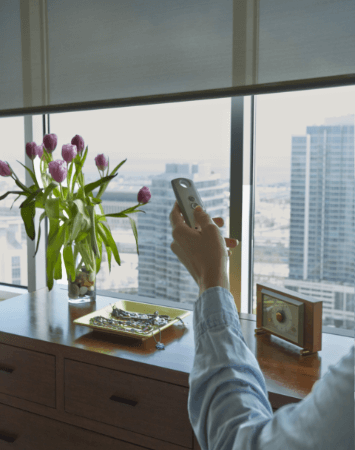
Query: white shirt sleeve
228, 402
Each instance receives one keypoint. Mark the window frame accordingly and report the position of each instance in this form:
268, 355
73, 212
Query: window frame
242, 173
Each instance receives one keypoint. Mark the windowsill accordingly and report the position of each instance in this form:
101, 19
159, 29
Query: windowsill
187, 306
10, 291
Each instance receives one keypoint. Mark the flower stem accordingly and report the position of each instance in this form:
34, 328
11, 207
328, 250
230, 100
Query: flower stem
79, 266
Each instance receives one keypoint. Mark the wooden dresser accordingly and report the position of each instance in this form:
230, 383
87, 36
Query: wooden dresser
65, 387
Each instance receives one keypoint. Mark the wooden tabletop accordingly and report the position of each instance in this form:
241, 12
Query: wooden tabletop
48, 317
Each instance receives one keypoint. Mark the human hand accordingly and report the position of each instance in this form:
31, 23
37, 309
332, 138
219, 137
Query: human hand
202, 251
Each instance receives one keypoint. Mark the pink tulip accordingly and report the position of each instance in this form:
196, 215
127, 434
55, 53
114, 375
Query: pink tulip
50, 142
5, 170
101, 162
31, 150
69, 152
58, 169
144, 195
40, 150
79, 142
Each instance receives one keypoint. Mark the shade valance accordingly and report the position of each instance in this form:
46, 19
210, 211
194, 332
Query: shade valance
73, 51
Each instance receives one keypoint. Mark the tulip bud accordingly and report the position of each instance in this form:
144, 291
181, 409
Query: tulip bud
31, 150
50, 142
69, 152
58, 169
101, 162
79, 142
144, 195
40, 150
5, 170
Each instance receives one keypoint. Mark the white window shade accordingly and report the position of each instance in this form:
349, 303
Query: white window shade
75, 51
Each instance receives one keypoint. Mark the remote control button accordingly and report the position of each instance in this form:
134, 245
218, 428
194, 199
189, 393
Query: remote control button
193, 205
191, 198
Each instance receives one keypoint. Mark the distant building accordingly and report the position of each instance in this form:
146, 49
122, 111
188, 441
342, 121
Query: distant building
160, 272
322, 244
13, 245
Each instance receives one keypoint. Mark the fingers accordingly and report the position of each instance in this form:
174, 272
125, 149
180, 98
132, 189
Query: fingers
218, 221
231, 243
176, 217
202, 218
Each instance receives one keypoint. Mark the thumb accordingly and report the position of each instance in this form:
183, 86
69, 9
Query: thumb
201, 216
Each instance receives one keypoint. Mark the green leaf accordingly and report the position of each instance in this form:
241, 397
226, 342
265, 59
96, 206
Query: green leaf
92, 229
15, 201
107, 245
30, 198
17, 181
135, 232
81, 219
69, 261
91, 186
33, 176
48, 190
118, 166
65, 192
86, 254
28, 213
81, 236
70, 173
111, 242
12, 192
95, 200
99, 258
103, 213
78, 166
53, 250
52, 208
22, 186
104, 186
43, 215
84, 156
120, 214
53, 229
67, 232
58, 268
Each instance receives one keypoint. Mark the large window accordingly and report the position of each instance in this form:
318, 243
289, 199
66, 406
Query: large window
160, 142
13, 238
304, 197
303, 219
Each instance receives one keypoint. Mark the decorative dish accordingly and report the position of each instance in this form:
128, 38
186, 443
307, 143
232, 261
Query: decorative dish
133, 319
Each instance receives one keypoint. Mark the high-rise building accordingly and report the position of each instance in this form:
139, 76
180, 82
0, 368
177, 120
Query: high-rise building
160, 272
322, 244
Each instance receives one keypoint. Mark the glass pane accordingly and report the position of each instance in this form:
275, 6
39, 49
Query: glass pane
13, 244
160, 142
304, 197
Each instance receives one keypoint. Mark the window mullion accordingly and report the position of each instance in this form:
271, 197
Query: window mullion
36, 270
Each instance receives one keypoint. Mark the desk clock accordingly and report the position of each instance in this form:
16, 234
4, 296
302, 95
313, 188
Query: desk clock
291, 316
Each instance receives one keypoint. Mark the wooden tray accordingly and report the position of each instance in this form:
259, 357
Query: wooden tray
136, 307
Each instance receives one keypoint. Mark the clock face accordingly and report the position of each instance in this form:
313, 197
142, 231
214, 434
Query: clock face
283, 317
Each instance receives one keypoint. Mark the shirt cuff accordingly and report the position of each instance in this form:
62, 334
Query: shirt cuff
215, 308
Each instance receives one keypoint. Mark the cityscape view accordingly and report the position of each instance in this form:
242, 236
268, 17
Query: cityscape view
303, 219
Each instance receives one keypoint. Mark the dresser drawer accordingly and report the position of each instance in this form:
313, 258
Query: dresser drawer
149, 407
21, 430
27, 374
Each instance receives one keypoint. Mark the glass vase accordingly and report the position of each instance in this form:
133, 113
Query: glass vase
83, 288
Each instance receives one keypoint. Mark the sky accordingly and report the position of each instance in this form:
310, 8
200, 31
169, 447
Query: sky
198, 131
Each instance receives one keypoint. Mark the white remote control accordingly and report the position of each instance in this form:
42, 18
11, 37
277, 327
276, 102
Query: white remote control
187, 197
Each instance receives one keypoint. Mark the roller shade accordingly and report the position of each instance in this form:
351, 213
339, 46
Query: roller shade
72, 51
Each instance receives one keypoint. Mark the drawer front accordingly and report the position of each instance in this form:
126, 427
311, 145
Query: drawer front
21, 430
27, 374
149, 407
